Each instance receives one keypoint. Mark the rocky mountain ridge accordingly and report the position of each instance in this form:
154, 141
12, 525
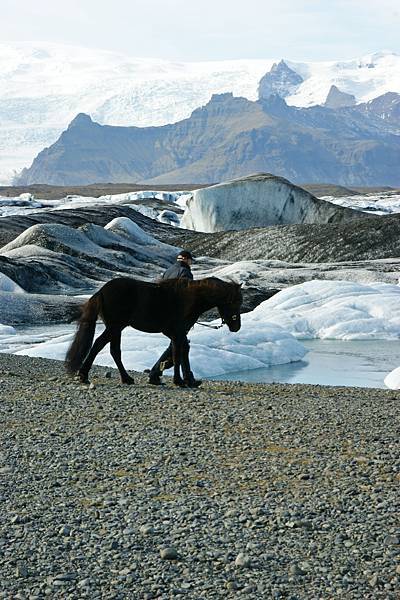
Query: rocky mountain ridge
44, 86
232, 137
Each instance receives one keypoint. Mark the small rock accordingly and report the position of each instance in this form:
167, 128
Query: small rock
169, 553
295, 571
147, 530
374, 580
249, 589
232, 585
17, 520
391, 540
242, 560
22, 570
107, 375
64, 577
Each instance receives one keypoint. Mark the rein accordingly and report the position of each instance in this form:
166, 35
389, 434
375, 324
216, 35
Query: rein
211, 326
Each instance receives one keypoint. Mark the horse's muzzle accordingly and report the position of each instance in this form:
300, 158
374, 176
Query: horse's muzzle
234, 323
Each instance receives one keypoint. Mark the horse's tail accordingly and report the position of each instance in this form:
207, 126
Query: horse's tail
84, 335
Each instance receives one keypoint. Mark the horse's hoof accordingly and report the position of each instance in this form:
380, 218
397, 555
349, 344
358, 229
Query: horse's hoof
193, 383
155, 381
128, 381
179, 383
83, 378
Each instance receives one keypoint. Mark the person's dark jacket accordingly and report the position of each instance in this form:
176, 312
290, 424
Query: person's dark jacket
179, 270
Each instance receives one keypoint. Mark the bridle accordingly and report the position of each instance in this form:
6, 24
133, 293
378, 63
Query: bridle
223, 322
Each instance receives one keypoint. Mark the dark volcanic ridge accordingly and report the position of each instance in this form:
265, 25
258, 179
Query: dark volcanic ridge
60, 253
361, 239
12, 226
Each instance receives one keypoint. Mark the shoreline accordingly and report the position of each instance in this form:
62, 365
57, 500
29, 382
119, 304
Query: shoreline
267, 490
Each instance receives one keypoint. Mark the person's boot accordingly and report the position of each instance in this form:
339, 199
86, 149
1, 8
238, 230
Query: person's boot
192, 382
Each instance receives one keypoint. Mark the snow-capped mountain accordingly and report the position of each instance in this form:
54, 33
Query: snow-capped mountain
43, 86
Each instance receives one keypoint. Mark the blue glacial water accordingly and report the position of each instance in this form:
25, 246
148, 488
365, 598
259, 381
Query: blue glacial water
332, 362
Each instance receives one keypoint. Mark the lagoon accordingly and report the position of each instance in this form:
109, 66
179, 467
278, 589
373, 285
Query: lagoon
332, 362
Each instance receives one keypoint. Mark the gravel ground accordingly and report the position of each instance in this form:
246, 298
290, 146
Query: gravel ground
234, 489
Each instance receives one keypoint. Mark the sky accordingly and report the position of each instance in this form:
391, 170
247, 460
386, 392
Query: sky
188, 30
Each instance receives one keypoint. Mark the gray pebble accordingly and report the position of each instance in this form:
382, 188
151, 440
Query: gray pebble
168, 553
242, 560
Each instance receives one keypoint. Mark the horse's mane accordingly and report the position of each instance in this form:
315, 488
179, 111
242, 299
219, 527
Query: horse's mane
173, 284
210, 283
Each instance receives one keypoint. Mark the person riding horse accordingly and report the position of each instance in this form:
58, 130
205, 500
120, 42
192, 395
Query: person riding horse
179, 270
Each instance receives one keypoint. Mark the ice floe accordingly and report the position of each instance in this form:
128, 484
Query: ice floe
27, 203
392, 379
212, 352
379, 203
340, 310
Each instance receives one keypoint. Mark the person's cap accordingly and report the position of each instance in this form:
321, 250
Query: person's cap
184, 254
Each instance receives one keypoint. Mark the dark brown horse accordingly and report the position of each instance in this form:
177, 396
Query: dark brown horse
171, 307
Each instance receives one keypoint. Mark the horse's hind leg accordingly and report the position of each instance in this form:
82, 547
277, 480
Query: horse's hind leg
98, 345
176, 355
115, 350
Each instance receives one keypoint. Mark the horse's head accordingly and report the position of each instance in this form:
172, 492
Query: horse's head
229, 310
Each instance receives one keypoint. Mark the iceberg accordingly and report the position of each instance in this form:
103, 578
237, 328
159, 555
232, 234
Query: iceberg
258, 200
